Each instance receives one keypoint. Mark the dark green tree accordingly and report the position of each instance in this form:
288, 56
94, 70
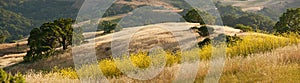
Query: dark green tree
289, 21
44, 40
107, 26
197, 16
205, 31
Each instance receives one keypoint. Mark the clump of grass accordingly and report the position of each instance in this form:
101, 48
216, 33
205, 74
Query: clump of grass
109, 68
66, 72
8, 78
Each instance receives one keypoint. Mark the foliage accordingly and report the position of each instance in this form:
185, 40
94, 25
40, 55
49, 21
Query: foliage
230, 41
197, 16
13, 26
271, 12
289, 21
8, 78
44, 40
243, 27
107, 26
204, 30
230, 20
2, 38
205, 42
232, 16
229, 10
257, 21
19, 17
116, 9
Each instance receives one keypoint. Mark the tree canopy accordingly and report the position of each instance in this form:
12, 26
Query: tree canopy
198, 16
107, 26
289, 21
49, 36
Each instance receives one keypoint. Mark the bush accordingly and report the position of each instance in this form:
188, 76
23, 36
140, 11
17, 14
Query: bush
8, 78
243, 27
230, 40
197, 16
204, 30
107, 27
206, 41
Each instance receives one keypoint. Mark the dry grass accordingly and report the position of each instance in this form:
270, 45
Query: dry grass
11, 48
279, 66
237, 68
61, 60
158, 3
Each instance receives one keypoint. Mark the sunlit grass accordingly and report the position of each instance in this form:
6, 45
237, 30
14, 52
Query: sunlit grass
250, 45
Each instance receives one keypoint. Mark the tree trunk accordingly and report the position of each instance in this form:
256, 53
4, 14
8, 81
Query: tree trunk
64, 44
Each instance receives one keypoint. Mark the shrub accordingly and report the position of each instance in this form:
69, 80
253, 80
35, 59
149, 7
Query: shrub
205, 31
206, 41
8, 78
230, 40
243, 27
107, 27
197, 16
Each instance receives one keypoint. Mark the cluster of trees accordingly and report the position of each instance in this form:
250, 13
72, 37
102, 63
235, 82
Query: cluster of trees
198, 16
19, 17
116, 9
232, 16
51, 35
13, 26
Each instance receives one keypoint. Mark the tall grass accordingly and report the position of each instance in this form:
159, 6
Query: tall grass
251, 44
277, 66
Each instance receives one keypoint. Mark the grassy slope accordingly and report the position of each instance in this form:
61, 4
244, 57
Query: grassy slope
64, 59
279, 66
